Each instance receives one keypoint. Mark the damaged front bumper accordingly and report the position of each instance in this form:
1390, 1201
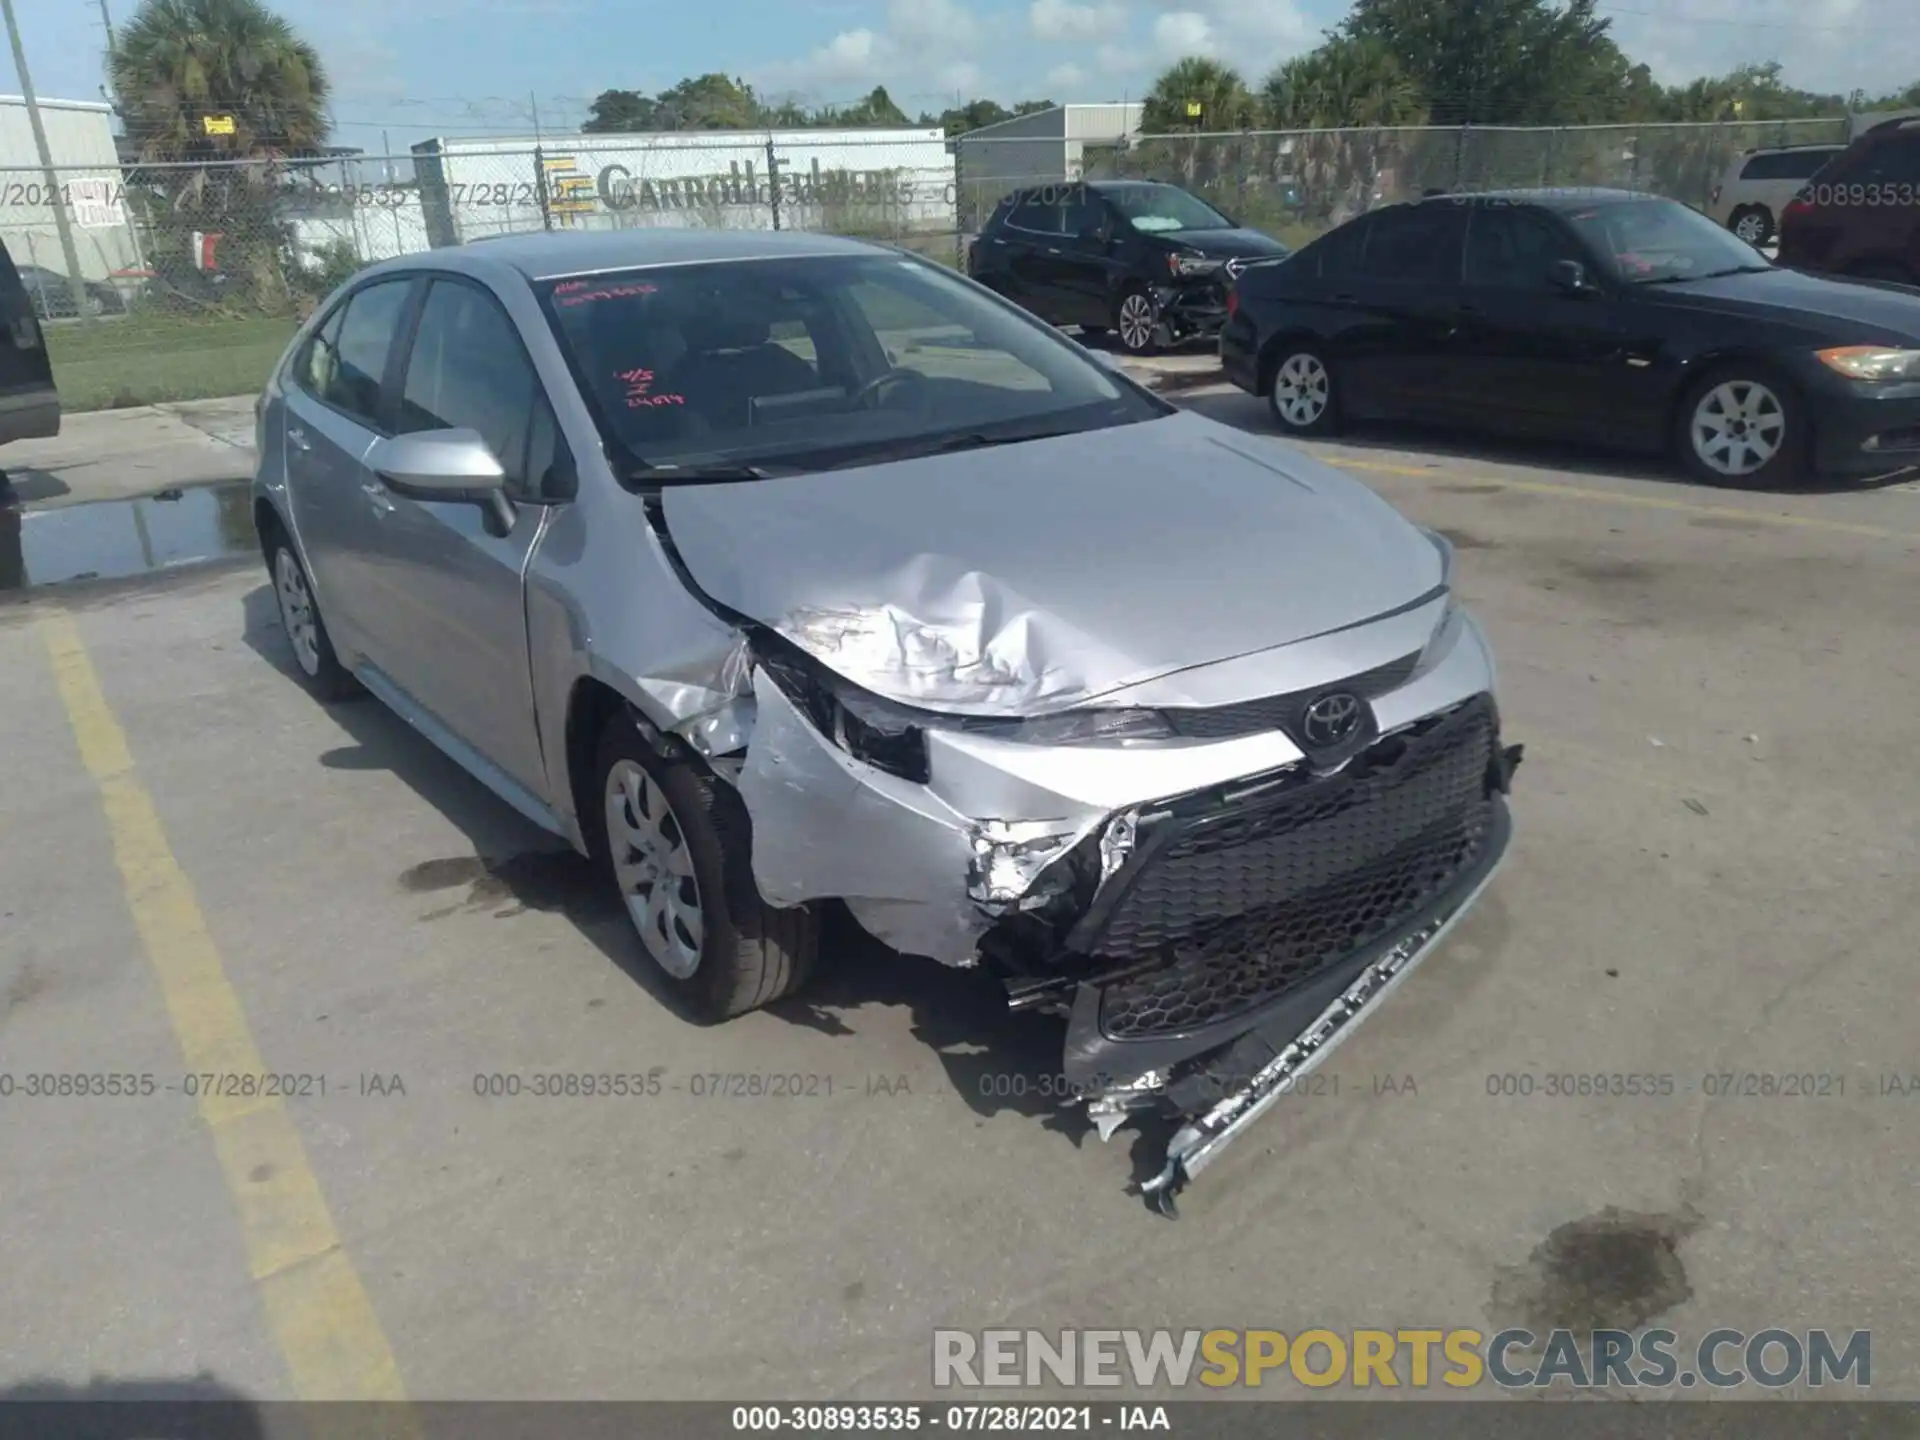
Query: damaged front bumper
1189, 312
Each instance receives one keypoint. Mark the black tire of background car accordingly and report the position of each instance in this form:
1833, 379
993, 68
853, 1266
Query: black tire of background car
1146, 347
331, 683
1327, 422
1789, 467
751, 954
1758, 213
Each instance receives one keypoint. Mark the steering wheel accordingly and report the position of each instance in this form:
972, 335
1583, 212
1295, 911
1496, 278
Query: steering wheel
892, 376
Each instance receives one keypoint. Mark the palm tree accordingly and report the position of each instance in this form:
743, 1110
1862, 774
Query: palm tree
180, 64
1352, 86
1198, 95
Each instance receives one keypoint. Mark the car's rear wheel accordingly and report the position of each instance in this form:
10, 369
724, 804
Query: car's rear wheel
1753, 224
1301, 394
1744, 425
1135, 319
678, 845
313, 653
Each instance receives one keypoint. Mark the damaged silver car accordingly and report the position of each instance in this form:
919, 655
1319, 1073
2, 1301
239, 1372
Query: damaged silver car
772, 570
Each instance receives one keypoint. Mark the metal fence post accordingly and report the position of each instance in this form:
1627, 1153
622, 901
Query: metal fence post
540, 179
1459, 156
773, 180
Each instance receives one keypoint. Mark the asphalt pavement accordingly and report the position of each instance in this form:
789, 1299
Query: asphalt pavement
202, 871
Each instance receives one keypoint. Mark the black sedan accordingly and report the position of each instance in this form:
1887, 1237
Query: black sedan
1148, 261
1601, 316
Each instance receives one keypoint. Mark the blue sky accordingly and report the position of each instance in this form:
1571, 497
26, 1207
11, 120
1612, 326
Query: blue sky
415, 68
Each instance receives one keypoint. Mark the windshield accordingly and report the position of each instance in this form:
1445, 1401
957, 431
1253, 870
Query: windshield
1154, 209
1646, 241
809, 361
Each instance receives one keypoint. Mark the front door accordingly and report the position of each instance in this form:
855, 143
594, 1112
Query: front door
1035, 233
451, 590
333, 414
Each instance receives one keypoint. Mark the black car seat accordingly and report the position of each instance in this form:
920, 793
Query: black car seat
733, 361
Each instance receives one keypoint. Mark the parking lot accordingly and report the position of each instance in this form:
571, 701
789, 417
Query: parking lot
203, 871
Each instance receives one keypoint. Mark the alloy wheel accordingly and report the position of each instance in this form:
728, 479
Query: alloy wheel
1738, 427
654, 869
1751, 228
296, 611
1136, 322
1301, 388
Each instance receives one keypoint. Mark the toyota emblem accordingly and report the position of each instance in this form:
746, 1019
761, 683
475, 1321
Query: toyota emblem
1330, 720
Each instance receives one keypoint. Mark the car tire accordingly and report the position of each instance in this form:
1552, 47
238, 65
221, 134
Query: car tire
1753, 224
1744, 424
1135, 319
313, 655
695, 837
1300, 390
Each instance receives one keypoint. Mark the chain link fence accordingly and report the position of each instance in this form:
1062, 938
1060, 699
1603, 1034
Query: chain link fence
193, 277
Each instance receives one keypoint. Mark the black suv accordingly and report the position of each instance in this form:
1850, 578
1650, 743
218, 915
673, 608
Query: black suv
1147, 261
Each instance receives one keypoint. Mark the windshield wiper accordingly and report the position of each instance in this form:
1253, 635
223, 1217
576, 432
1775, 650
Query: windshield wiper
951, 444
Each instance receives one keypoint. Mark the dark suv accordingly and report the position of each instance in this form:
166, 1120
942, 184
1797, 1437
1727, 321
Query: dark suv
1148, 261
1860, 216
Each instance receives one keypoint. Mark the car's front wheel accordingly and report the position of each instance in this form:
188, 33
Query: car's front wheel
1301, 396
678, 845
326, 677
1743, 425
1134, 320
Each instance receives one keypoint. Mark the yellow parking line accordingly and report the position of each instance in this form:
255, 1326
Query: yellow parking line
320, 1314
1615, 497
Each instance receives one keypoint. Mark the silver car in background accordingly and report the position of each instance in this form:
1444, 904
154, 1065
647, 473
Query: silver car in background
772, 569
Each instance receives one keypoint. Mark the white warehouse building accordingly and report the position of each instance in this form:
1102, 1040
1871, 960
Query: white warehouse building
868, 181
87, 184
1047, 146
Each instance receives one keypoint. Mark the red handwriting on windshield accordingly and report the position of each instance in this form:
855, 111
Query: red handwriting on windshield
640, 394
606, 292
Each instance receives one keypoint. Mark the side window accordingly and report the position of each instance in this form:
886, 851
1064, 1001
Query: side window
470, 370
1031, 214
365, 340
1420, 243
1895, 160
1343, 252
1084, 212
1514, 249
319, 360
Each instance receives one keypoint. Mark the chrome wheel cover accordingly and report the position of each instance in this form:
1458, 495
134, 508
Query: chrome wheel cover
297, 613
1136, 322
1750, 228
1737, 427
654, 869
1301, 388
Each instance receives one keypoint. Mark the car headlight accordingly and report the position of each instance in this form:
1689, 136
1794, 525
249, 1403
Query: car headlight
1872, 362
1191, 265
1083, 727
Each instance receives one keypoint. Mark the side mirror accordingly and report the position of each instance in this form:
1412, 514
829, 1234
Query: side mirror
1571, 276
450, 467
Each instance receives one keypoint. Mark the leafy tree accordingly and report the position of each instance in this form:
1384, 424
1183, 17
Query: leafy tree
1345, 83
620, 112
1497, 62
978, 114
708, 102
875, 109
1218, 90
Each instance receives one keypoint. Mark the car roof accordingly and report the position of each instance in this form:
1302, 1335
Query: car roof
1790, 149
1570, 197
544, 255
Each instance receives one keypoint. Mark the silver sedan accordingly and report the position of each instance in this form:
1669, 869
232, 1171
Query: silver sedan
774, 569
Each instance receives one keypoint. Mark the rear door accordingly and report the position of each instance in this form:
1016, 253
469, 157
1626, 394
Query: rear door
1402, 302
450, 591
1035, 232
29, 404
335, 404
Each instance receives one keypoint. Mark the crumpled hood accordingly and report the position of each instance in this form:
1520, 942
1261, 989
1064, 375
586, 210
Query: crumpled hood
1028, 578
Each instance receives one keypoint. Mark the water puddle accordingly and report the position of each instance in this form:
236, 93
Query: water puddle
112, 539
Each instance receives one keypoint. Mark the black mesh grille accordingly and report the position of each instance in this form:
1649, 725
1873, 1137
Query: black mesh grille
1280, 712
1248, 904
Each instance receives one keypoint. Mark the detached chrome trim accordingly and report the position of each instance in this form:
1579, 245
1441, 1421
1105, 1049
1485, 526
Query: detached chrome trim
1200, 1141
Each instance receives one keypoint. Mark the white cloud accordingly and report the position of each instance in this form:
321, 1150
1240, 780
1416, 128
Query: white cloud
1064, 20
925, 47
1182, 33
1066, 77
1822, 45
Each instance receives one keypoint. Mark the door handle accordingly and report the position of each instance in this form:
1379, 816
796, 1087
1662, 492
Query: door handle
297, 438
1052, 251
